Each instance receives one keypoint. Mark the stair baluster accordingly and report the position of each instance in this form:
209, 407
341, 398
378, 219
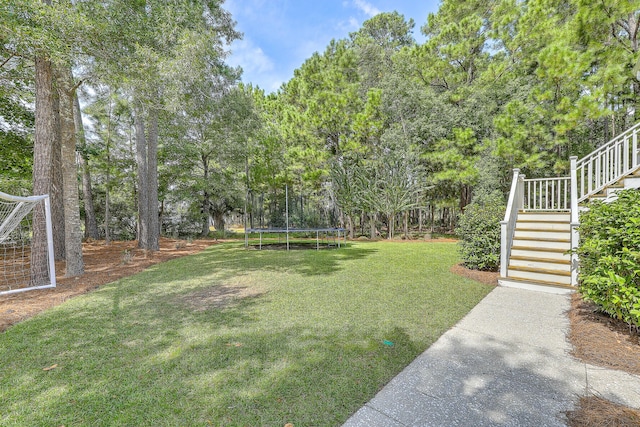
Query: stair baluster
617, 161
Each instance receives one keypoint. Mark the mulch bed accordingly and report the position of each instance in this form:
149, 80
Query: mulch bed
103, 264
602, 340
594, 411
487, 277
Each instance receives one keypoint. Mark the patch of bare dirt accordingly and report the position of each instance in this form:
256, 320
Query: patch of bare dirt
103, 264
218, 297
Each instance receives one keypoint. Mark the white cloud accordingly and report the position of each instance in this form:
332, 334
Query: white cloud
250, 57
346, 27
257, 67
366, 7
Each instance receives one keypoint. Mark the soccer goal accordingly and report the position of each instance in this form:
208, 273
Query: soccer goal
26, 244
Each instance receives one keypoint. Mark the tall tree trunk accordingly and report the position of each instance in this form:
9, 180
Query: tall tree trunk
218, 219
107, 197
44, 141
143, 184
261, 211
90, 223
161, 216
206, 203
372, 224
465, 196
72, 228
433, 216
406, 225
57, 187
302, 222
153, 240
350, 226
205, 214
251, 210
107, 215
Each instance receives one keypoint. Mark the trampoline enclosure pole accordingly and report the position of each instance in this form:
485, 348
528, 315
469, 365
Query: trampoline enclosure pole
286, 208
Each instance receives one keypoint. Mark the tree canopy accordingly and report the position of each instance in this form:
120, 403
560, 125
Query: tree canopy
376, 128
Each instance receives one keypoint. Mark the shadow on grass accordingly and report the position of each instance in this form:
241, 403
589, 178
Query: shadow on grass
231, 260
137, 352
481, 381
150, 364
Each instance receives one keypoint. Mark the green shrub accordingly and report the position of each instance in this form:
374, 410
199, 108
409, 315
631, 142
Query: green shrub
479, 232
609, 254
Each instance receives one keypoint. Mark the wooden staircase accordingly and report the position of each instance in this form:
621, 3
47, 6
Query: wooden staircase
540, 226
608, 193
539, 254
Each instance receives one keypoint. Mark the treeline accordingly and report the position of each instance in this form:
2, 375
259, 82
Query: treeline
398, 126
378, 131
139, 67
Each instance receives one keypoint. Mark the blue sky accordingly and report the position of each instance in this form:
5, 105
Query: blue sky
280, 34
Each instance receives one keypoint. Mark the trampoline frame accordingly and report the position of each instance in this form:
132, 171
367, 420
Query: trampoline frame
338, 233
289, 230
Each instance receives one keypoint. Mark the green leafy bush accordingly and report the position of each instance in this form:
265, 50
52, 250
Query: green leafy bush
609, 253
479, 231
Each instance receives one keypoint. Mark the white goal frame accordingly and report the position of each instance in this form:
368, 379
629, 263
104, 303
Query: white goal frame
14, 219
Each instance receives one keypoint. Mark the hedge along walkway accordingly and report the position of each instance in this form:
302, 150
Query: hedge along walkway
235, 337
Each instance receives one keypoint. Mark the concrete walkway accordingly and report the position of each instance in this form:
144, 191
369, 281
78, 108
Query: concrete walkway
506, 363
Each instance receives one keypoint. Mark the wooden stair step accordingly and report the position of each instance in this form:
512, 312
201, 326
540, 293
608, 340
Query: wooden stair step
536, 221
526, 222
546, 230
538, 282
549, 260
529, 248
543, 239
547, 212
540, 270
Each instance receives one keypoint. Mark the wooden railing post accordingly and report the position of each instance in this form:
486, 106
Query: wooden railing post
634, 149
575, 220
508, 224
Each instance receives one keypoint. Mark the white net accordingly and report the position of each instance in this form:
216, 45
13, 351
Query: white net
25, 261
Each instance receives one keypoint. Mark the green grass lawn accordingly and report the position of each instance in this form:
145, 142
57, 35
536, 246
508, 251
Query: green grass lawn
234, 337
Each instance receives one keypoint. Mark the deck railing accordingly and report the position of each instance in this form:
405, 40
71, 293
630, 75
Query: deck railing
547, 194
608, 163
574, 220
508, 225
588, 176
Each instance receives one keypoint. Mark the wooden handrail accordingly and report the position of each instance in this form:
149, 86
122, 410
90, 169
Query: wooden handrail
508, 225
608, 163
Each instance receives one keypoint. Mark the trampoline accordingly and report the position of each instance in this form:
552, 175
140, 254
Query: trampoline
337, 233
